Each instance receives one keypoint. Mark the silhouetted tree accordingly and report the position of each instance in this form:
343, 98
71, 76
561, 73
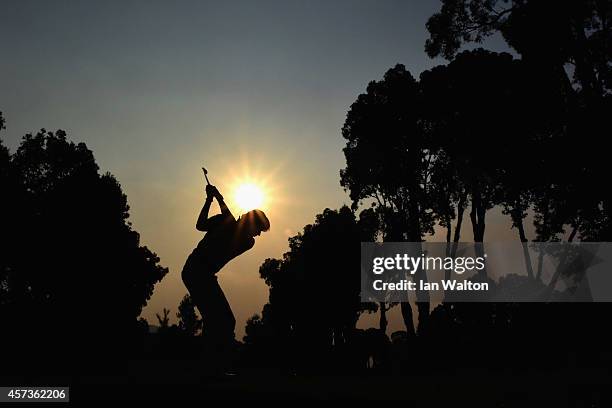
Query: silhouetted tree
388, 163
188, 320
253, 329
545, 32
71, 255
269, 339
484, 124
163, 320
6, 185
314, 299
370, 227
464, 101
143, 325
566, 46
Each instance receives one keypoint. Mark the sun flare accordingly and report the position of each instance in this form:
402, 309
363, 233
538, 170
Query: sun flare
248, 196
253, 183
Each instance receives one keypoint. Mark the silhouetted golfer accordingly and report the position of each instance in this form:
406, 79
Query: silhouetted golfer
225, 239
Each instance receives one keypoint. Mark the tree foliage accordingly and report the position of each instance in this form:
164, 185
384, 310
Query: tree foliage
70, 256
318, 276
551, 34
188, 320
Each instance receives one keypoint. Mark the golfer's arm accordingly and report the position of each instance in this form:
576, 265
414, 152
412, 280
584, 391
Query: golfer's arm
224, 210
202, 223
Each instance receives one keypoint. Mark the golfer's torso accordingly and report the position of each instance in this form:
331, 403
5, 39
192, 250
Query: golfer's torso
220, 246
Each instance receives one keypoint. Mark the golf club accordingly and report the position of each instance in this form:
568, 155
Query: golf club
206, 174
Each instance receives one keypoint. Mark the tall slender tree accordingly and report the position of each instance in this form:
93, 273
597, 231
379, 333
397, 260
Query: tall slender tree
388, 163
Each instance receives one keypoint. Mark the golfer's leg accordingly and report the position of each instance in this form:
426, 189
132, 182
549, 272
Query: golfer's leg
219, 321
218, 327
206, 294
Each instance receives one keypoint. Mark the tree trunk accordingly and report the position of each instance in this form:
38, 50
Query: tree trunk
518, 220
540, 263
559, 270
481, 222
457, 235
415, 235
447, 272
449, 245
460, 211
396, 235
474, 221
449, 228
382, 324
477, 216
407, 317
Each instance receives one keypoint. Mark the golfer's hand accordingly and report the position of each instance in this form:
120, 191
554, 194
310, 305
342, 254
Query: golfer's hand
211, 191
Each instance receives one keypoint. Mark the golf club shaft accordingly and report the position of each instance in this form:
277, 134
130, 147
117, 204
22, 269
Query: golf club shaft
206, 175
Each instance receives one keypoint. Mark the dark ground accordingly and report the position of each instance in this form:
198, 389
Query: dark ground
180, 382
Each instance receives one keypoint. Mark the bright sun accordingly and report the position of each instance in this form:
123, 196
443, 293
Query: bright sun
248, 196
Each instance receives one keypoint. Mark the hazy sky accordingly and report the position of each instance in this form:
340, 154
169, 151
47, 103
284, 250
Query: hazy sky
159, 88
